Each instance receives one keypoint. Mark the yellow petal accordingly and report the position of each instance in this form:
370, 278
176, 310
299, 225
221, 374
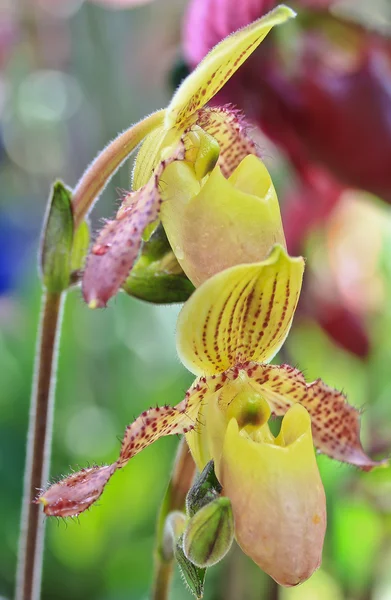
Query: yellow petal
147, 157
335, 424
198, 439
234, 398
228, 222
277, 498
243, 313
218, 66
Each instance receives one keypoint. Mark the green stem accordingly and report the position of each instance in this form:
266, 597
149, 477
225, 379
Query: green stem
274, 590
174, 499
101, 170
30, 554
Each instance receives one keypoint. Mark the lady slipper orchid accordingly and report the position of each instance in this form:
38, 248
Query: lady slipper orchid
198, 138
228, 331
222, 222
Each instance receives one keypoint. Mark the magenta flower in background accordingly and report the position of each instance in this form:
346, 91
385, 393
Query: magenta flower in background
325, 98
322, 93
118, 4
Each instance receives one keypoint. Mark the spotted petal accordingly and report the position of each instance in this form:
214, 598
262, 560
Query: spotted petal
243, 313
119, 242
228, 127
218, 66
335, 424
77, 492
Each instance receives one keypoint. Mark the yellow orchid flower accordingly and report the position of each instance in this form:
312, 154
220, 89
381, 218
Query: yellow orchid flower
222, 222
228, 331
190, 144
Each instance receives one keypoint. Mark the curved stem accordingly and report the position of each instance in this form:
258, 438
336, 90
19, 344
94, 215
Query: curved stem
103, 167
174, 499
38, 450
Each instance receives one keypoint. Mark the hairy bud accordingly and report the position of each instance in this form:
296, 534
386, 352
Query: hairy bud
210, 533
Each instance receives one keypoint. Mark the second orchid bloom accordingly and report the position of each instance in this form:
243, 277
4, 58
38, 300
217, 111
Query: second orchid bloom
228, 331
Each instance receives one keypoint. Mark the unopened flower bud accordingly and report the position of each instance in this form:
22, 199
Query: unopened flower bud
205, 489
173, 529
63, 248
209, 533
157, 276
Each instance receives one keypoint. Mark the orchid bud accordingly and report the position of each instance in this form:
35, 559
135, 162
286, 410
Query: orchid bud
209, 533
157, 276
174, 526
63, 249
205, 489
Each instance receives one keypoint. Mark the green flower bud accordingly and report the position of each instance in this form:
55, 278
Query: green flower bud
57, 238
157, 276
205, 489
63, 250
209, 533
174, 526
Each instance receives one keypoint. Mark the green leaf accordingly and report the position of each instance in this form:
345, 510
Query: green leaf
57, 240
193, 576
80, 246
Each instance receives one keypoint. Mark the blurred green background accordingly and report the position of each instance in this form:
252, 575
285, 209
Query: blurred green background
73, 74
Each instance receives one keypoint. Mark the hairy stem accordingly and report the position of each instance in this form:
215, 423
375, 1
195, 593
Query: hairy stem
174, 499
38, 450
108, 161
92, 183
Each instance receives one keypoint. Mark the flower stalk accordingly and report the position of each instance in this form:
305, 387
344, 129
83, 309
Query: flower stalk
174, 499
62, 246
106, 164
38, 448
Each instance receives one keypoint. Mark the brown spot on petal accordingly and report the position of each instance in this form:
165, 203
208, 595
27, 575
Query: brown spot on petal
335, 423
77, 492
74, 494
229, 128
